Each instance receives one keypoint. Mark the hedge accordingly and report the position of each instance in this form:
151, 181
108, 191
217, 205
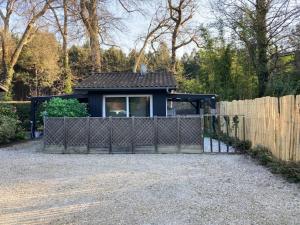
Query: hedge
10, 125
22, 111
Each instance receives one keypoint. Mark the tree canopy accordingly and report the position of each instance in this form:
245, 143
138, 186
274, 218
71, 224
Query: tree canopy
250, 49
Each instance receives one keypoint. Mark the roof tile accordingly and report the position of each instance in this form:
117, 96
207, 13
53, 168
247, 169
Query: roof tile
119, 80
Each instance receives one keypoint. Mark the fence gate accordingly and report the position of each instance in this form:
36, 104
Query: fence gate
221, 133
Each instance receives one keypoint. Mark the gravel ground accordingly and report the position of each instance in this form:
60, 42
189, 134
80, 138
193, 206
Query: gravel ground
38, 188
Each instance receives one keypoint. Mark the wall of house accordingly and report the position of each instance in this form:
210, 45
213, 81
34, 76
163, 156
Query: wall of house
95, 101
159, 104
95, 104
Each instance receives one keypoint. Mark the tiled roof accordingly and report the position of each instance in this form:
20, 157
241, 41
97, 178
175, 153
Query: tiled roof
125, 80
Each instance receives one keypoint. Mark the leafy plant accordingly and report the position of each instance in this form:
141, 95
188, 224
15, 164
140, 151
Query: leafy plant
58, 107
8, 110
20, 110
8, 128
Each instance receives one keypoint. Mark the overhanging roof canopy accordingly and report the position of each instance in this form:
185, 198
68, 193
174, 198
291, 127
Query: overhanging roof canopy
184, 97
128, 80
45, 98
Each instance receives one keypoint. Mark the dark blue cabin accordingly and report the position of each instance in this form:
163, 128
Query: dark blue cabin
127, 94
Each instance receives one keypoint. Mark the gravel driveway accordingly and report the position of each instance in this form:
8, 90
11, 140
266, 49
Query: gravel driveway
37, 188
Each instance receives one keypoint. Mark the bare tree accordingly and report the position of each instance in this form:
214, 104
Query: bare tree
99, 22
63, 30
89, 16
263, 26
33, 10
182, 30
158, 26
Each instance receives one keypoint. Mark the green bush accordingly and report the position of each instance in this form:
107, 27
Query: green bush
58, 107
21, 110
8, 128
8, 110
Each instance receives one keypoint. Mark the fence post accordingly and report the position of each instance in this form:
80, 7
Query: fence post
88, 135
44, 132
227, 132
219, 133
155, 134
202, 130
244, 129
178, 135
65, 136
110, 135
132, 135
211, 133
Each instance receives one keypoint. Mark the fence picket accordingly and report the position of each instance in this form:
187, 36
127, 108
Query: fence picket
178, 135
133, 135
269, 121
65, 136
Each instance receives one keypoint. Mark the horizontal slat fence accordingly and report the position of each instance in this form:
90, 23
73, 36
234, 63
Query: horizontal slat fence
271, 122
129, 135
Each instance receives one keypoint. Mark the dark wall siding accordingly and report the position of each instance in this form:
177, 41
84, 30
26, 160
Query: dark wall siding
159, 104
95, 104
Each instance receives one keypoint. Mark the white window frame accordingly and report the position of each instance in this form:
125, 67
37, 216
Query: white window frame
127, 102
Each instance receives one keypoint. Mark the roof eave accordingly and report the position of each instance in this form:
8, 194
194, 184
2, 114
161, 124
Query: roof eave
125, 89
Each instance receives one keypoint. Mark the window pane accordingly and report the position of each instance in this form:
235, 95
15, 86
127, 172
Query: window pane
115, 106
139, 106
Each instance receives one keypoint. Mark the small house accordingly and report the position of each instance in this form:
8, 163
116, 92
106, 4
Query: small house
127, 94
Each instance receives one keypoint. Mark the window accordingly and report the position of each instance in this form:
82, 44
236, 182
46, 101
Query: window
139, 106
115, 106
125, 106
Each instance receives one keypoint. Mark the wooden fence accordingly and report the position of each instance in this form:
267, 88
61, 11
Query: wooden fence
271, 122
134, 135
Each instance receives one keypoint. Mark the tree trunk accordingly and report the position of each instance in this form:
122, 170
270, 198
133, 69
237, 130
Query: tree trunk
9, 72
65, 37
178, 23
262, 45
67, 71
89, 17
5, 57
174, 47
95, 50
137, 62
94, 36
139, 56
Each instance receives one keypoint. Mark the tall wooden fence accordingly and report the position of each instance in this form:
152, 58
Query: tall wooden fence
134, 135
271, 122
